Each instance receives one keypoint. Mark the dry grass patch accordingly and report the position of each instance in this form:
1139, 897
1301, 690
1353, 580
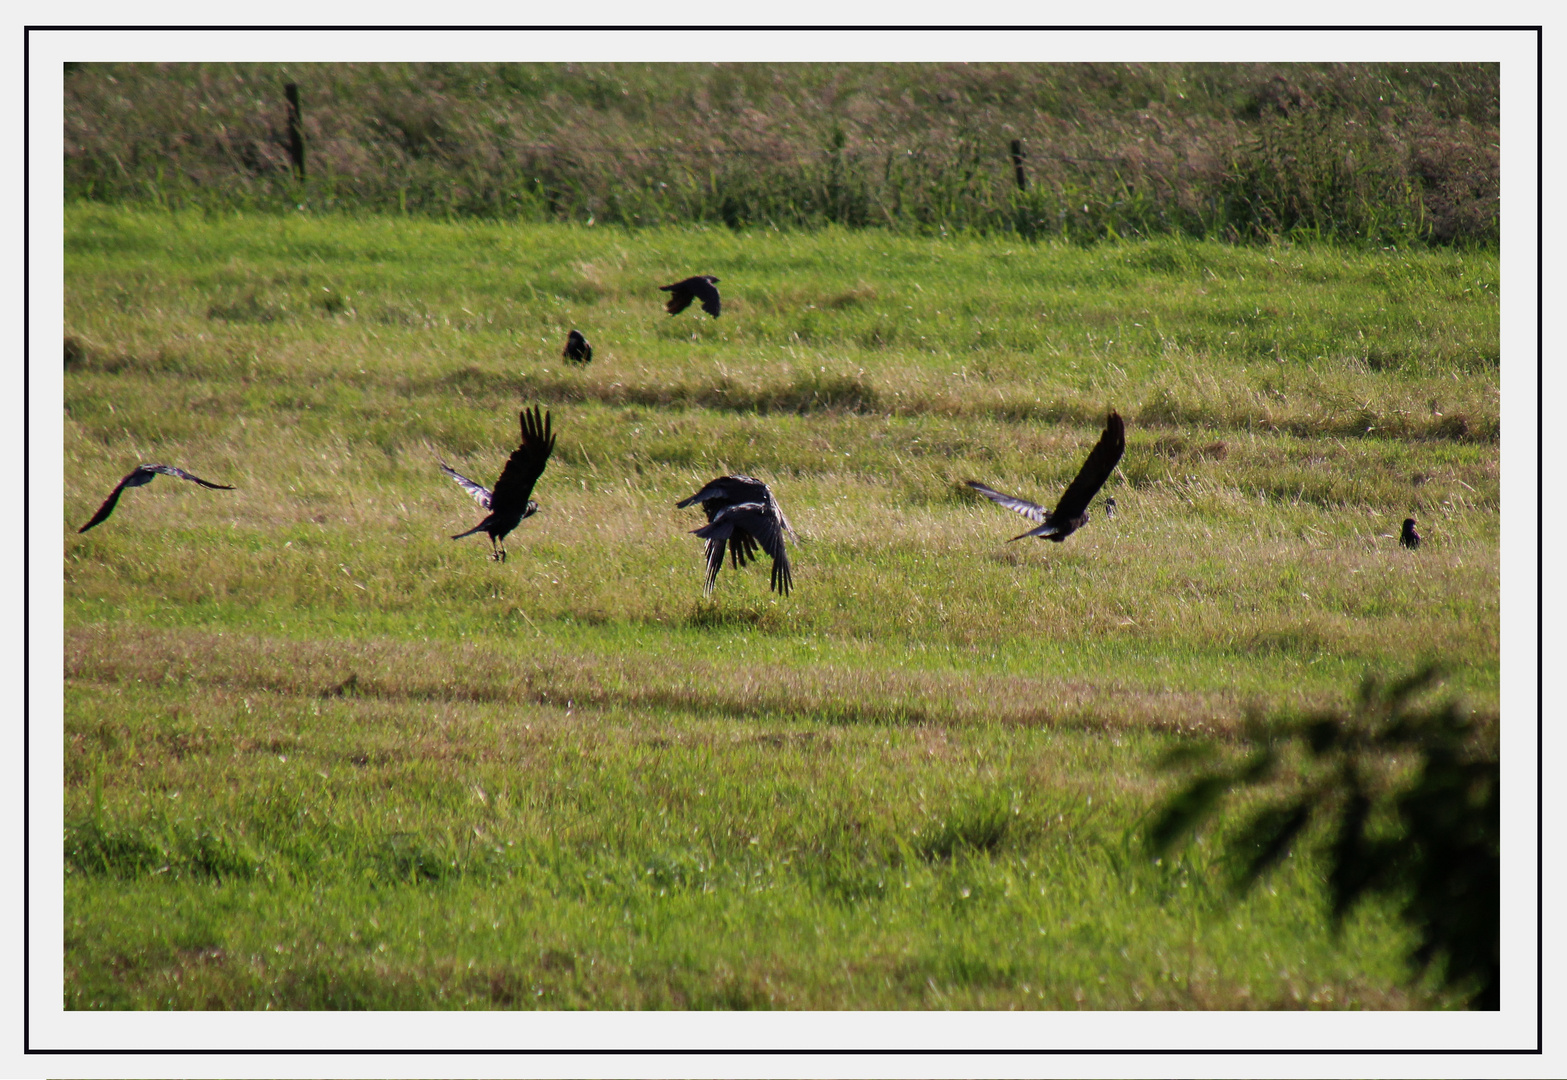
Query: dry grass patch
402, 671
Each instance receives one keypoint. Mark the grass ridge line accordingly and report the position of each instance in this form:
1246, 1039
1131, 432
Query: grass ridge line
851, 394
404, 671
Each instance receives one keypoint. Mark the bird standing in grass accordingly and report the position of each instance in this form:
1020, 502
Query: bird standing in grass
681, 293
140, 475
510, 502
1071, 513
1409, 538
577, 350
742, 515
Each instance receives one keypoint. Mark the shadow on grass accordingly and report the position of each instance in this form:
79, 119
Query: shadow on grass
727, 615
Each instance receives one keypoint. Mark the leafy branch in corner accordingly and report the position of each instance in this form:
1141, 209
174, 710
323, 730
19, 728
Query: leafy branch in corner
1406, 798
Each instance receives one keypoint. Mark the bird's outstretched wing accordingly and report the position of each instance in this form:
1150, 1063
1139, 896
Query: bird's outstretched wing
108, 506
747, 523
480, 493
732, 490
727, 491
778, 514
715, 561
681, 293
680, 296
170, 470
1096, 470
708, 294
769, 534
138, 476
526, 463
1033, 511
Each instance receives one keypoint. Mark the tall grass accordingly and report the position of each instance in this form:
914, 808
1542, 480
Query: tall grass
1375, 153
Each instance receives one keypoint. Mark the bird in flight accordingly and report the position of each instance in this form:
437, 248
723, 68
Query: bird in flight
577, 348
742, 515
1409, 538
1071, 513
143, 474
681, 293
509, 503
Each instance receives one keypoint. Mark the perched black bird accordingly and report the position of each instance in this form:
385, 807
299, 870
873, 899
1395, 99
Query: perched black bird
577, 348
1409, 538
743, 514
1071, 513
1109, 505
509, 503
138, 476
681, 293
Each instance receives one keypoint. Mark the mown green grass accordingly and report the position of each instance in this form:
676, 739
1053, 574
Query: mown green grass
320, 755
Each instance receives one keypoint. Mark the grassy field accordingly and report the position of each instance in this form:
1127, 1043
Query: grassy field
319, 755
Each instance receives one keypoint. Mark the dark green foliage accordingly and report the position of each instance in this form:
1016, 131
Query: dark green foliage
1428, 836
1374, 153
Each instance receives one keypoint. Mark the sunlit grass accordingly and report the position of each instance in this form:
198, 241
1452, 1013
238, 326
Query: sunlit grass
302, 689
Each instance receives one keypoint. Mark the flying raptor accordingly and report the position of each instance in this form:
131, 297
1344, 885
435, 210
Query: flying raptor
1071, 513
743, 515
143, 474
681, 293
510, 502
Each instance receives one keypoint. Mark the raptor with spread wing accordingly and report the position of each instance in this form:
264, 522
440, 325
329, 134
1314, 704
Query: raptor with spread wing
681, 293
511, 500
743, 515
143, 474
1071, 513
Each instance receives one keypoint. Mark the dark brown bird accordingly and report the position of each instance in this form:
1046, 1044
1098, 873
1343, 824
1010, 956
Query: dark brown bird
681, 293
138, 476
510, 502
1409, 538
577, 350
1071, 513
743, 515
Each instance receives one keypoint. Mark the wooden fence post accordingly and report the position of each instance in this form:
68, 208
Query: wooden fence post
296, 130
1017, 164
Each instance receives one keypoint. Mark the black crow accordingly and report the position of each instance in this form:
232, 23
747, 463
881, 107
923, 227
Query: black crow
681, 293
743, 514
1071, 513
138, 476
1409, 538
509, 503
577, 348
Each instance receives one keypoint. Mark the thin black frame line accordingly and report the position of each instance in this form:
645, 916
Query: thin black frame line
791, 1054
1539, 533
27, 562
